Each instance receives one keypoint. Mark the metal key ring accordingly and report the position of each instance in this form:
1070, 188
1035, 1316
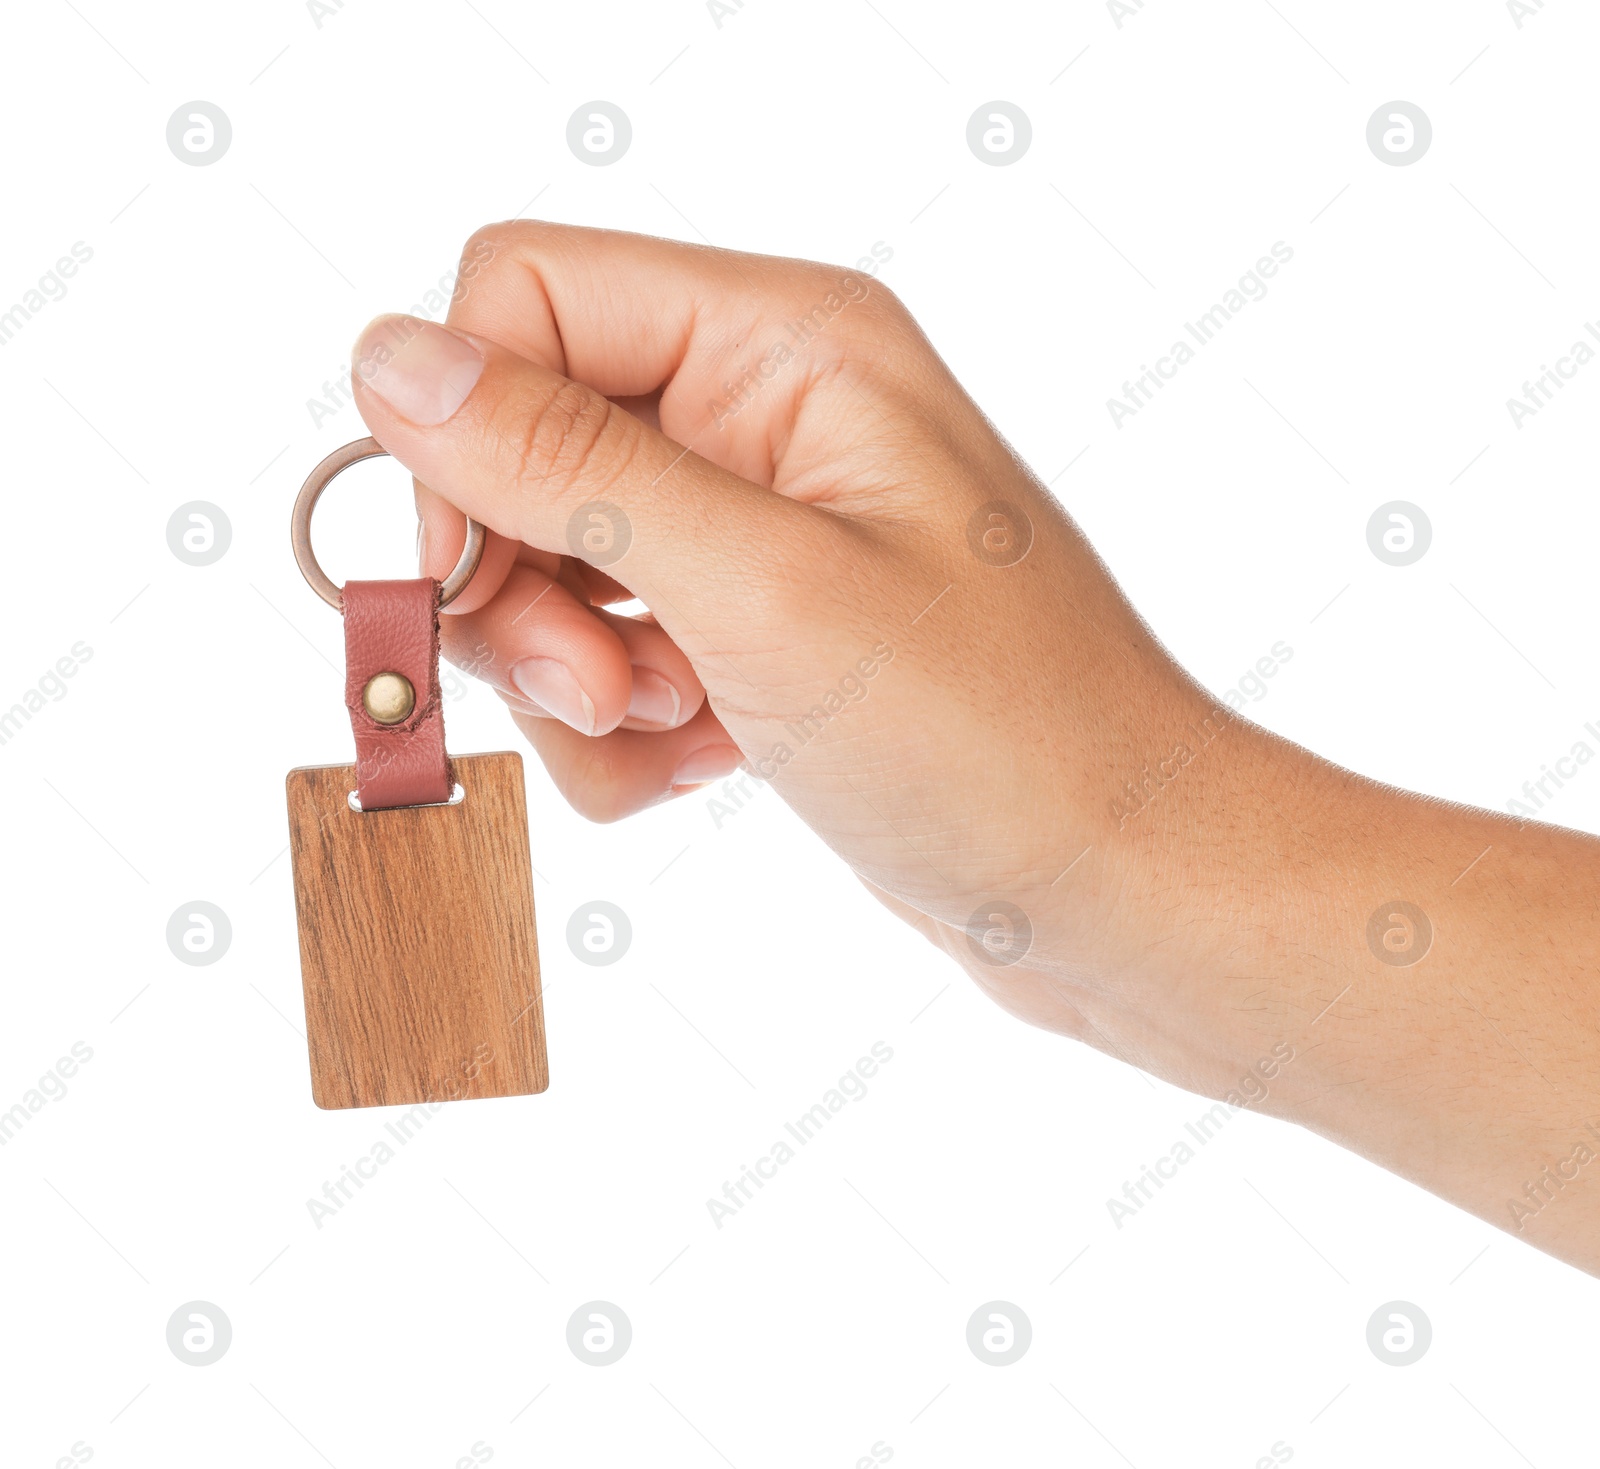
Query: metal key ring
300, 529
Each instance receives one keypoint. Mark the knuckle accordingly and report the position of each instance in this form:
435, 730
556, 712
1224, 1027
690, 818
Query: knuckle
486, 248
570, 435
832, 284
513, 246
487, 240
886, 300
837, 303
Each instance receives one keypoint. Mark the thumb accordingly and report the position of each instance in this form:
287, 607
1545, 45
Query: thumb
551, 462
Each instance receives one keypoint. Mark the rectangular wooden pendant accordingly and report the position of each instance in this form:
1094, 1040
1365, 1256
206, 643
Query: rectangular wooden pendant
417, 945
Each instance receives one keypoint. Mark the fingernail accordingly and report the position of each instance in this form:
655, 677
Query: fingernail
711, 763
420, 369
654, 699
422, 546
552, 686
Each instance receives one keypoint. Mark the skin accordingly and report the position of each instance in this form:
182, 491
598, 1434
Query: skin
999, 734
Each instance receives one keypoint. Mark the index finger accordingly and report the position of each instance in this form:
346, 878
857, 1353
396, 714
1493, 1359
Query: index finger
630, 315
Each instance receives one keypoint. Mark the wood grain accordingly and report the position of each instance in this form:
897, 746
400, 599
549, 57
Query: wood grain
417, 946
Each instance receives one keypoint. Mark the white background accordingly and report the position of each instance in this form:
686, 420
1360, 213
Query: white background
830, 1314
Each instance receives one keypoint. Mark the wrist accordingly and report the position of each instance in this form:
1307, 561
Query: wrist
1201, 936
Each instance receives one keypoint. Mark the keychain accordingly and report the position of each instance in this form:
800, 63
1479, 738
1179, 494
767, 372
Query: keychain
413, 882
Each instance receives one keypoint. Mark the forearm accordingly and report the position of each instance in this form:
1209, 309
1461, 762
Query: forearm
1432, 973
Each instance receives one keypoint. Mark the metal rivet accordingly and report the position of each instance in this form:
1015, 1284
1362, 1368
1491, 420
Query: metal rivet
389, 697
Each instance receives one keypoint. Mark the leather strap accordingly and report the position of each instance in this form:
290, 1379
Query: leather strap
393, 627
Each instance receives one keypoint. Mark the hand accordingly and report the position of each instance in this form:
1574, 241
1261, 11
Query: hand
857, 592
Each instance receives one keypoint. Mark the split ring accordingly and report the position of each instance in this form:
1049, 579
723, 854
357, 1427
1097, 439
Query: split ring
300, 529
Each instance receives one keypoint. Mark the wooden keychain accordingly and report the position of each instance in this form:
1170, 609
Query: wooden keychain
412, 877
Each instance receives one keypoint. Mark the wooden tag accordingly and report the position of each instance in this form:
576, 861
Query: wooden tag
417, 945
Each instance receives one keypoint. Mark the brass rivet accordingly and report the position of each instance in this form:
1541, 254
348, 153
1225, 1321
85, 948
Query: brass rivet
389, 697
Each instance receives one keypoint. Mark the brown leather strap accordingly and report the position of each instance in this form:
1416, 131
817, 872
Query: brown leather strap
393, 627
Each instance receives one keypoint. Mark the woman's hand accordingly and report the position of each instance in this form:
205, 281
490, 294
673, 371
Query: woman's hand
857, 592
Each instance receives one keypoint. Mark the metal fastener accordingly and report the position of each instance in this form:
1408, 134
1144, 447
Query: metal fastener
389, 697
